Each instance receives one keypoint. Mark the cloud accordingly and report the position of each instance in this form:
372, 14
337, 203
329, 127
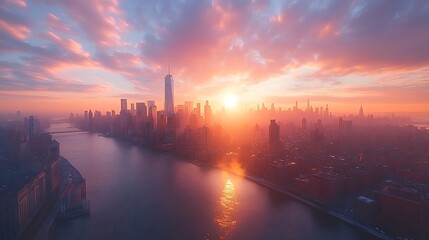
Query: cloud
16, 3
13, 24
339, 37
18, 77
131, 67
219, 45
102, 21
68, 46
56, 24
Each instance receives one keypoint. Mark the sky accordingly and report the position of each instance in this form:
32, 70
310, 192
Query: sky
68, 56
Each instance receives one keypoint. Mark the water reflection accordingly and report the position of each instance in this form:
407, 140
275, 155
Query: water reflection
138, 194
225, 216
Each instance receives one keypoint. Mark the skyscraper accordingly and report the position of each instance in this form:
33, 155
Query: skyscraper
361, 112
123, 106
85, 117
152, 115
198, 110
141, 110
133, 110
207, 113
32, 126
274, 138
169, 94
90, 119
304, 123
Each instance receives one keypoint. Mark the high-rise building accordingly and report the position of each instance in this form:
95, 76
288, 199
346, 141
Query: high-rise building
32, 126
123, 106
198, 110
141, 117
189, 106
85, 118
361, 112
90, 119
141, 110
152, 116
169, 94
207, 113
133, 110
327, 110
161, 122
274, 138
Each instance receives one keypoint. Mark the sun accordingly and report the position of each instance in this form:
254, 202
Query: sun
230, 101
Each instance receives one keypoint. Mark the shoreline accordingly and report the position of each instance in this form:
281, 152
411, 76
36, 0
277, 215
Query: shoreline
265, 183
331, 213
53, 215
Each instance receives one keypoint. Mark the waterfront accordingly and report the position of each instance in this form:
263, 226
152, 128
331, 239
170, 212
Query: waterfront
136, 194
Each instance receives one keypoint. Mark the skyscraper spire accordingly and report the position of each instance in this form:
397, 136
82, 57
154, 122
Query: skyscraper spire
361, 111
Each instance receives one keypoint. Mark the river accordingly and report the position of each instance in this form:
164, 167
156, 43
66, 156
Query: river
138, 194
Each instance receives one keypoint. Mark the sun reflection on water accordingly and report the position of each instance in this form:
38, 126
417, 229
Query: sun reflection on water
225, 217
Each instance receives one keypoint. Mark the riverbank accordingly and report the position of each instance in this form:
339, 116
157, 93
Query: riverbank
338, 216
265, 183
71, 179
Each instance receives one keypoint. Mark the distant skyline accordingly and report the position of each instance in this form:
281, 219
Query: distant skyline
60, 56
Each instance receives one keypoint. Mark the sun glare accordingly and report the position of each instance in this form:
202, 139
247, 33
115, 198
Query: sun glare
230, 101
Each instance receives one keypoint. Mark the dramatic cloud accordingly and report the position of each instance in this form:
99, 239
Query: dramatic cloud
328, 50
100, 20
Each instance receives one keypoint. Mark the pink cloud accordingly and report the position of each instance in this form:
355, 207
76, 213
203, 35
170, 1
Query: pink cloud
18, 3
16, 30
55, 23
102, 21
69, 45
19, 77
330, 36
238, 42
130, 66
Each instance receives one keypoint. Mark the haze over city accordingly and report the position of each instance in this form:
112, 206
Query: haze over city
214, 119
67, 56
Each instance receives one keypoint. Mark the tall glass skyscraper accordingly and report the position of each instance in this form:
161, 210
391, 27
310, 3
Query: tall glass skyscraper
169, 95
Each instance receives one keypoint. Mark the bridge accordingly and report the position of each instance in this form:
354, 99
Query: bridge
70, 131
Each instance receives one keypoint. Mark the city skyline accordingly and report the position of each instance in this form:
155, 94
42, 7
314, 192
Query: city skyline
60, 57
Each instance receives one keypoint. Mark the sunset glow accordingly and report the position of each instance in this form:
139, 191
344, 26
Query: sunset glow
87, 54
214, 119
230, 101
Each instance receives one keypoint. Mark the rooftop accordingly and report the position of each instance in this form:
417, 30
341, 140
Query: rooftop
15, 175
